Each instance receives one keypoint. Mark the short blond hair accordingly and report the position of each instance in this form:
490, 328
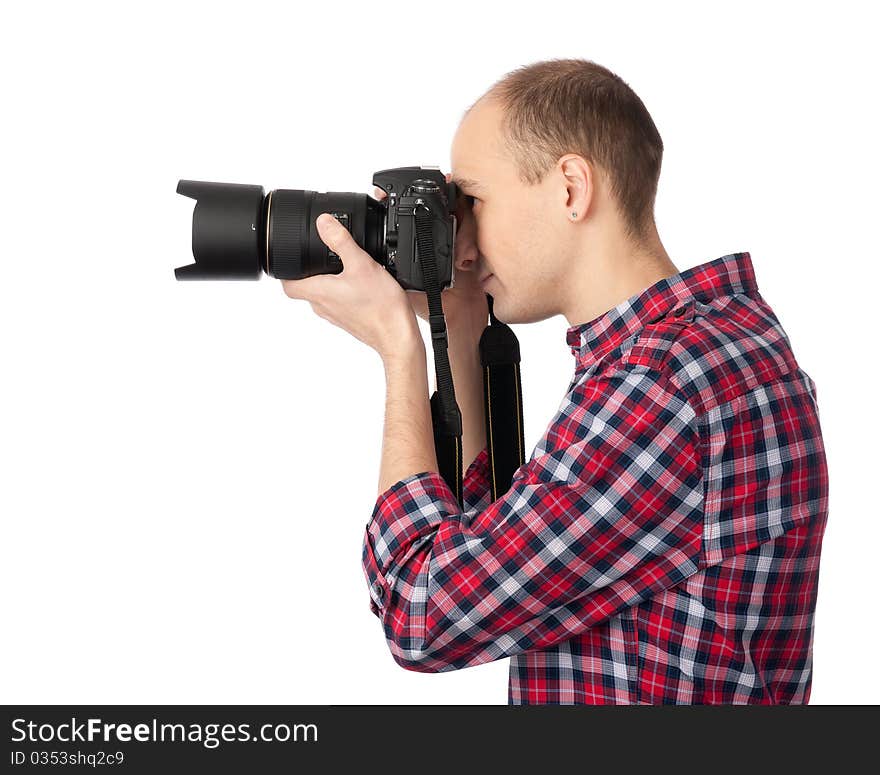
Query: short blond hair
564, 106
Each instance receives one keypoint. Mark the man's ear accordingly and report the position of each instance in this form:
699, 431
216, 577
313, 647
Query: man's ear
577, 173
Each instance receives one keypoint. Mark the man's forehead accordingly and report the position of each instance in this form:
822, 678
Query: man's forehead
463, 157
467, 172
475, 148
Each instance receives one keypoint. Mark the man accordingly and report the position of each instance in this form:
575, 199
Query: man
662, 543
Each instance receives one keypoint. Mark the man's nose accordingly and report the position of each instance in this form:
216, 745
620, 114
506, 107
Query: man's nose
466, 256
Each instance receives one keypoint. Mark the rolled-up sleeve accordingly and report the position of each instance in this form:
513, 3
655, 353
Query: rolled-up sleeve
609, 514
476, 496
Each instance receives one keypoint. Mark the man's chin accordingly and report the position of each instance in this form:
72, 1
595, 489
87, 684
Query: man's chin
510, 315
505, 315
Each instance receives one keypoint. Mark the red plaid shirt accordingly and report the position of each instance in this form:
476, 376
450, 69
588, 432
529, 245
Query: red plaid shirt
661, 545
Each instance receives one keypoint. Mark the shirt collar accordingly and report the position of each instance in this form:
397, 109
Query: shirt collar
724, 276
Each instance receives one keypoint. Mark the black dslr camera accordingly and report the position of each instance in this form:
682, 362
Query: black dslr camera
239, 232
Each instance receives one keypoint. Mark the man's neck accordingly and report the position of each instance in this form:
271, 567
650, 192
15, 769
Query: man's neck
615, 277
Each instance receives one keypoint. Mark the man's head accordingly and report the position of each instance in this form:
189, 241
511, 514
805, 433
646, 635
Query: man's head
562, 161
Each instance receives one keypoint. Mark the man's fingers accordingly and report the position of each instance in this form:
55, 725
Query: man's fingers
333, 233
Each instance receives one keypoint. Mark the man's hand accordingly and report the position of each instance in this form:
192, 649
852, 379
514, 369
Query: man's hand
364, 299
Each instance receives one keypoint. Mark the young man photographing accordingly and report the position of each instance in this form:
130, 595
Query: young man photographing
662, 543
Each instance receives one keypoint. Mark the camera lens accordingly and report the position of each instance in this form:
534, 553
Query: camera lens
239, 233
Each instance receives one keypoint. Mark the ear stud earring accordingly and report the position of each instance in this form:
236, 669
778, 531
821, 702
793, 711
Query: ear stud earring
574, 215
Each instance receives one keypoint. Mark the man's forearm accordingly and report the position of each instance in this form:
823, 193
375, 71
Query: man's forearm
408, 435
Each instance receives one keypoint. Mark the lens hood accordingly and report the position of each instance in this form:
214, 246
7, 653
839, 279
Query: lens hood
228, 238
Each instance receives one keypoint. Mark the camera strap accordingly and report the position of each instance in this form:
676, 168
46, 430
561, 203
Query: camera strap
502, 400
502, 393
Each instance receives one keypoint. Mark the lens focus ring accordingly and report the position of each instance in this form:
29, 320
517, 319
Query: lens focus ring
288, 233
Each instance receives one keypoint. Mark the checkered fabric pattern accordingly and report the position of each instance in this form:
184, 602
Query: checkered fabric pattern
661, 544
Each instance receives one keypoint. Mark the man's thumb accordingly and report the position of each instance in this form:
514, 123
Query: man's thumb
334, 234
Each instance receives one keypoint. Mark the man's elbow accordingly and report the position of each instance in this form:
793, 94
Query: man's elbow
414, 666
417, 660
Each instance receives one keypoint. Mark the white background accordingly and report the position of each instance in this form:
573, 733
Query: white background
188, 467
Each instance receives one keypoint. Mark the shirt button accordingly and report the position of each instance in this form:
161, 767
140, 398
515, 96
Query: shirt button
377, 590
678, 312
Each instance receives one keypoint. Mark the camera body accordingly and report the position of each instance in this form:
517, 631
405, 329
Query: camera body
238, 232
408, 188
